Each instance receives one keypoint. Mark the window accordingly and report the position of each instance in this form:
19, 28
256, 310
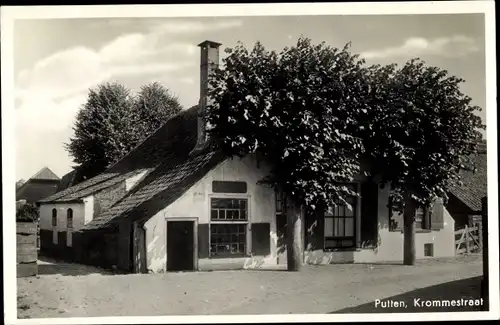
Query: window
69, 217
340, 223
279, 200
422, 220
228, 224
54, 218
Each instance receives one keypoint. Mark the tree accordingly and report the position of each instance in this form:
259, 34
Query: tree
112, 122
419, 131
154, 105
296, 111
27, 213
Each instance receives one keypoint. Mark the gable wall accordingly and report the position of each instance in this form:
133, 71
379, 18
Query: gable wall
195, 203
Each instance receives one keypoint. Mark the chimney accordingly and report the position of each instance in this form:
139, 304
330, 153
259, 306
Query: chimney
209, 61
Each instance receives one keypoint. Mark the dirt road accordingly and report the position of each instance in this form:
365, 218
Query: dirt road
67, 290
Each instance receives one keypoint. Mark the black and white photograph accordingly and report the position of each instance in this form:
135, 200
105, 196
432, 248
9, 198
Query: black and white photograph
271, 162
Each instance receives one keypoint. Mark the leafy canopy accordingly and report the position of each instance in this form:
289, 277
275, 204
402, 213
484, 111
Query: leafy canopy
422, 130
314, 112
296, 110
27, 212
112, 122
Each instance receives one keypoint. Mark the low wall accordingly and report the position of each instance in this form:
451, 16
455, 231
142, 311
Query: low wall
27, 255
90, 248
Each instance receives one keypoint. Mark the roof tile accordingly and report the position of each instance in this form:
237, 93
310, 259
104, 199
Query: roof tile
474, 186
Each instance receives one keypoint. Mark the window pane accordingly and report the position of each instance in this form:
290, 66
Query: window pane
228, 239
349, 227
347, 243
339, 227
229, 209
328, 227
331, 243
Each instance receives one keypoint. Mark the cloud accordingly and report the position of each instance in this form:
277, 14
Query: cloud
50, 93
454, 46
183, 27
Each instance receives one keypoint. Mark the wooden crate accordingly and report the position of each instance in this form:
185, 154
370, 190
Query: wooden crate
26, 249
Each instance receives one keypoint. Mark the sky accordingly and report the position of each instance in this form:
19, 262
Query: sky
56, 61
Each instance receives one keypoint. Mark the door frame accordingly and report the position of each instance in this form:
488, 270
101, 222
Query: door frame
195, 238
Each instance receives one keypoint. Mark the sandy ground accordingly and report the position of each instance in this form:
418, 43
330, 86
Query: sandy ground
69, 290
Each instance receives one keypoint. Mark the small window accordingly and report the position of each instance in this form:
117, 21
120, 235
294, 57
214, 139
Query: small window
54, 218
429, 250
280, 200
70, 218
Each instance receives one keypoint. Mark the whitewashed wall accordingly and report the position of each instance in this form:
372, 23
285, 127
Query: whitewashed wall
195, 203
82, 214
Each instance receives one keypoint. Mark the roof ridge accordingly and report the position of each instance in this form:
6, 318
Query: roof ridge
45, 169
60, 195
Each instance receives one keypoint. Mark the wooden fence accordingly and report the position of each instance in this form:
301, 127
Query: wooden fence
27, 255
469, 239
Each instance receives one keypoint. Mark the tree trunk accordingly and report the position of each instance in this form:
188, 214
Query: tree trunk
294, 239
409, 257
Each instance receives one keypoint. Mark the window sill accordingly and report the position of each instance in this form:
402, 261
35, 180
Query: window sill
219, 257
347, 249
417, 231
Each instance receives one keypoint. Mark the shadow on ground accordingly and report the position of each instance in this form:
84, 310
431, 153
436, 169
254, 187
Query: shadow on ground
462, 289
48, 266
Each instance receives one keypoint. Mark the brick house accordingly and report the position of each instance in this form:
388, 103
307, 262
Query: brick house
175, 203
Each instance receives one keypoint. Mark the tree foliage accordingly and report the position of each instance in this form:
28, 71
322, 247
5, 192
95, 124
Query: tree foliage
315, 112
112, 122
27, 212
296, 110
421, 130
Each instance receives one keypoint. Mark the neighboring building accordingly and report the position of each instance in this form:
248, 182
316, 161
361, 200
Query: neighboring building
464, 203
175, 196
70, 179
41, 185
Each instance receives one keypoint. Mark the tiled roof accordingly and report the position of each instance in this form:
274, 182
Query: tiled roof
178, 171
70, 179
95, 182
34, 190
160, 188
45, 174
147, 156
66, 180
474, 186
